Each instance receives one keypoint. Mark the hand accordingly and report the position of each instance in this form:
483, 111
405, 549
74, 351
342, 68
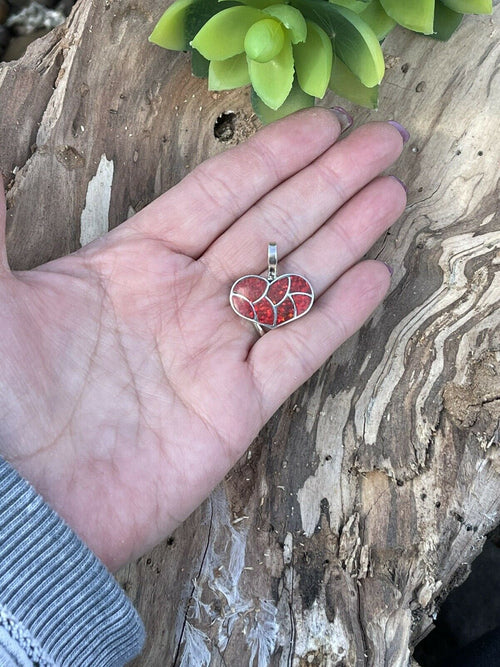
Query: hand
128, 386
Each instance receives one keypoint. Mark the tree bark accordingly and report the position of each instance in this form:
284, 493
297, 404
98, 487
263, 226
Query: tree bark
367, 496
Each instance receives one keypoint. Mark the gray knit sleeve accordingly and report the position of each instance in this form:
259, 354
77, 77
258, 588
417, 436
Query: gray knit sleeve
59, 606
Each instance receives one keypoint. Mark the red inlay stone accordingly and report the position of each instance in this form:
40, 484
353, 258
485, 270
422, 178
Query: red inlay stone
299, 284
285, 311
255, 299
253, 287
243, 307
302, 302
265, 312
279, 289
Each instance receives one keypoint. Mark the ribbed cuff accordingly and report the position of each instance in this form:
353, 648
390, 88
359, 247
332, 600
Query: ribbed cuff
61, 596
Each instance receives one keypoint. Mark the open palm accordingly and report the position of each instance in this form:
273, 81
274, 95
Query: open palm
128, 386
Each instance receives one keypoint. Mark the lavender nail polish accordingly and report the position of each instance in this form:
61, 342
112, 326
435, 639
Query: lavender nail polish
402, 130
389, 268
402, 183
345, 118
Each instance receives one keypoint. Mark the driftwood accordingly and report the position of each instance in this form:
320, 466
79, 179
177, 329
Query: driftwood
368, 495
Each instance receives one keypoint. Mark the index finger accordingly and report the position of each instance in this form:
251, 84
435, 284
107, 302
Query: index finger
192, 214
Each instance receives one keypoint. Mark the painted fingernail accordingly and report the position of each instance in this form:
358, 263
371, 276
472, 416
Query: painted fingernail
345, 119
389, 268
402, 130
400, 182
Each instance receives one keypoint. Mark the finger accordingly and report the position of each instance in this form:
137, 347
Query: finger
349, 234
296, 209
207, 201
4, 266
285, 358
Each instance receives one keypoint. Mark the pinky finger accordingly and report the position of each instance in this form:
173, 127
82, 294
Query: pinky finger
285, 358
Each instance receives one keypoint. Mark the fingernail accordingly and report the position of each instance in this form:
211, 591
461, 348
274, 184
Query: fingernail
389, 268
345, 119
402, 130
400, 182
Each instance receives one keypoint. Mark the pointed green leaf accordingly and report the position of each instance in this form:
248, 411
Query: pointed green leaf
199, 65
355, 42
223, 36
470, 6
313, 61
357, 46
182, 20
292, 19
375, 16
259, 4
345, 84
356, 6
417, 16
264, 40
169, 31
228, 74
273, 81
296, 100
446, 21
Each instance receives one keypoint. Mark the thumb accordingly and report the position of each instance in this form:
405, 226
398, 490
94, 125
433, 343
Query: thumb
4, 266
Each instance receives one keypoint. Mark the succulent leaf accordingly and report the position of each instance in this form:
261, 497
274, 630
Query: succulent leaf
297, 99
355, 42
417, 16
264, 40
259, 4
273, 81
182, 20
199, 65
344, 83
354, 5
470, 6
292, 19
446, 21
169, 31
223, 36
357, 45
375, 16
228, 74
313, 61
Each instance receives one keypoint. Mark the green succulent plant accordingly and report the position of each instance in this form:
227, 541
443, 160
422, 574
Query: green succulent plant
293, 51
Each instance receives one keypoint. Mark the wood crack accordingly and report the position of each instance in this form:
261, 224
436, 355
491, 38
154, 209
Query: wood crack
189, 601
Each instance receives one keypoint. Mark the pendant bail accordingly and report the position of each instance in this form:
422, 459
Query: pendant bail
272, 261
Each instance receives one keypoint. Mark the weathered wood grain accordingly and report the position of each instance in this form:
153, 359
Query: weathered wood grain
367, 496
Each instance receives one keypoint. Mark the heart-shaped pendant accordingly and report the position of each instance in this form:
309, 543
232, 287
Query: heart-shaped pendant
273, 302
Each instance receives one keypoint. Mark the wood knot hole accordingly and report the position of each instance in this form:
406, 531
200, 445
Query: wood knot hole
224, 127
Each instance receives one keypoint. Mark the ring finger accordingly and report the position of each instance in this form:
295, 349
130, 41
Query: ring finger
348, 235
